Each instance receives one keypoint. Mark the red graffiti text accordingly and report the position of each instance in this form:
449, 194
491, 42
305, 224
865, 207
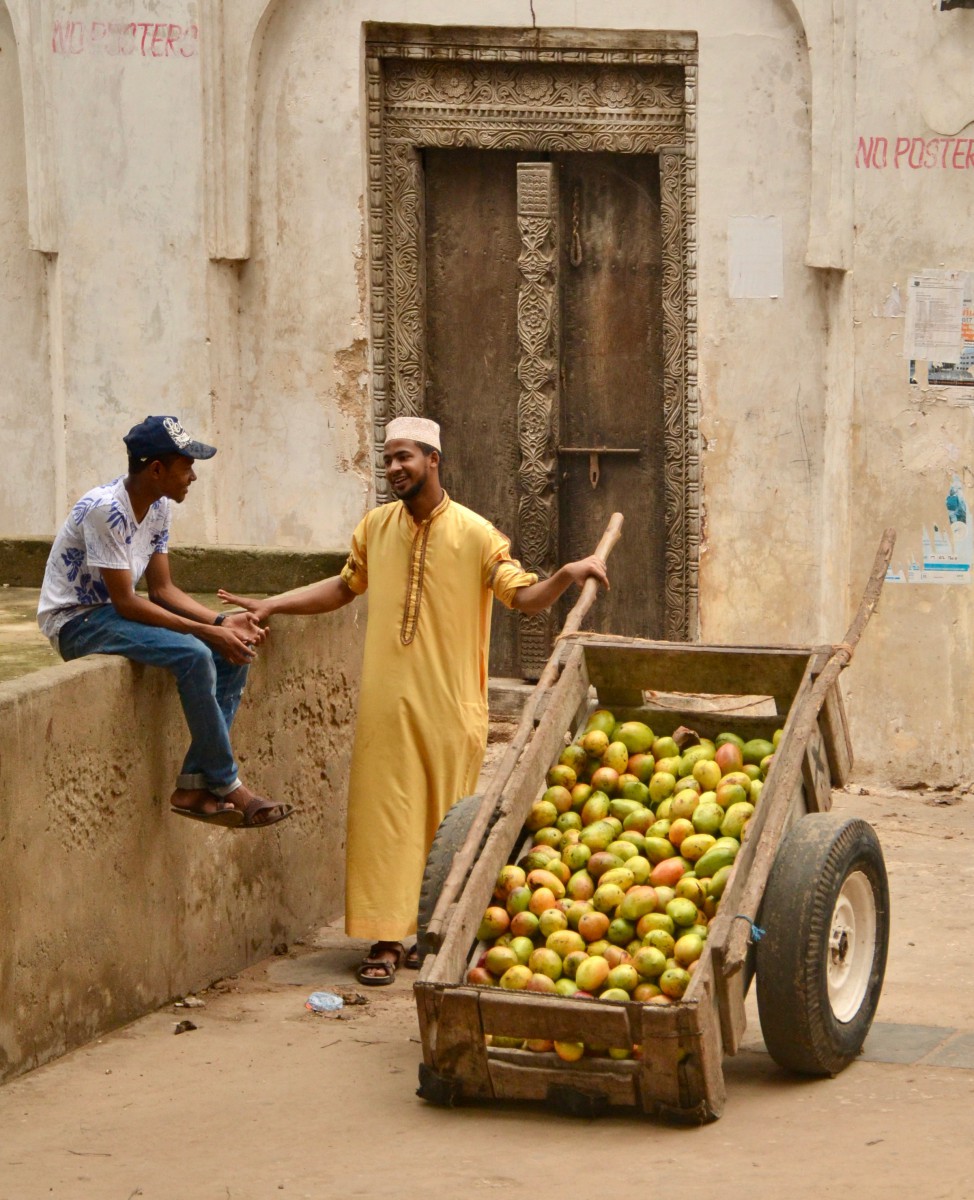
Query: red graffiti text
146, 39
915, 154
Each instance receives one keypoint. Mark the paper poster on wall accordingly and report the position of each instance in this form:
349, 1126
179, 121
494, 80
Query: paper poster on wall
944, 551
940, 328
755, 258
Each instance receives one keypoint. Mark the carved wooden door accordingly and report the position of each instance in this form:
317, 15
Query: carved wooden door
544, 368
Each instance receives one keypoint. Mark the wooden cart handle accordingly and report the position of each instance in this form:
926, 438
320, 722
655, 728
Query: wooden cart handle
590, 588
453, 884
732, 952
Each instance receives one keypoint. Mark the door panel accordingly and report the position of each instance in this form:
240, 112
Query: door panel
472, 245
612, 380
611, 362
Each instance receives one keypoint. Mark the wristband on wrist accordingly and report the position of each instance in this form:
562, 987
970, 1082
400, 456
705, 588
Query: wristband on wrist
220, 618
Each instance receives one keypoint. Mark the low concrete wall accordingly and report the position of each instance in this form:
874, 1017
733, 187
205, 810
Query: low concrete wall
111, 905
241, 569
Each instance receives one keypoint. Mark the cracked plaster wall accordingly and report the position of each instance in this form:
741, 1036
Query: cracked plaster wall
25, 404
112, 906
908, 687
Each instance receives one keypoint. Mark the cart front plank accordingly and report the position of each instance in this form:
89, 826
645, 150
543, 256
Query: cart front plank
681, 1074
461, 1051
557, 1083
514, 1014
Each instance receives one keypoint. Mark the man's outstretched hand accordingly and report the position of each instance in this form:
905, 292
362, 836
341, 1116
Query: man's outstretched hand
254, 610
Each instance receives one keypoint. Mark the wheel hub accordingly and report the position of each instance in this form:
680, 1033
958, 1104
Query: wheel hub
852, 946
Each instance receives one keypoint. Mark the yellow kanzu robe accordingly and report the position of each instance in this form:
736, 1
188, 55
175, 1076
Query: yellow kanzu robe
422, 717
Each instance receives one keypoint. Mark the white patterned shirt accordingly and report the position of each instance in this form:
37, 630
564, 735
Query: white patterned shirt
101, 531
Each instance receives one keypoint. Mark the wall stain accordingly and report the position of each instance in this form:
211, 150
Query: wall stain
351, 395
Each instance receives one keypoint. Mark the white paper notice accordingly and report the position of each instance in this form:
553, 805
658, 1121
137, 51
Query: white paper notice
934, 312
755, 258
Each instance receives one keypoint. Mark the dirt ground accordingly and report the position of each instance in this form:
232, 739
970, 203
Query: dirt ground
265, 1098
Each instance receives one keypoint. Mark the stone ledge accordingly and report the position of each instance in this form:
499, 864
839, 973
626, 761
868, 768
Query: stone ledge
194, 568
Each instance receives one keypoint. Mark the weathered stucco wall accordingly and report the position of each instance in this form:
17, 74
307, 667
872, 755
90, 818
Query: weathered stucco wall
909, 689
26, 414
209, 254
111, 905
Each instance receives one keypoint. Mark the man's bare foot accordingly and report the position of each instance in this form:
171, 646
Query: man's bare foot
199, 800
381, 963
201, 805
257, 811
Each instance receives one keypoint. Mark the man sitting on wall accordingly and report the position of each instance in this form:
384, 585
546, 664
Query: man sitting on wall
115, 534
432, 569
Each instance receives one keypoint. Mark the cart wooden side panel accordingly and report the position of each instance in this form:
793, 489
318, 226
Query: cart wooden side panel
682, 1045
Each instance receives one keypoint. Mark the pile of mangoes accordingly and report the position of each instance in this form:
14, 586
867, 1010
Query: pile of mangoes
632, 844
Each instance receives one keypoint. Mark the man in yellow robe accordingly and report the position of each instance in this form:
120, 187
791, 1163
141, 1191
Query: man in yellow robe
432, 568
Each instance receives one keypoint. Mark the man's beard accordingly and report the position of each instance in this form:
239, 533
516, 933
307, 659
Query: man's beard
414, 489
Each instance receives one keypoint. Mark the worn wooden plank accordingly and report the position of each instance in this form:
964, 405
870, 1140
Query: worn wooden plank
659, 1083
589, 1065
535, 1081
544, 749
701, 1070
520, 755
519, 1014
816, 775
835, 733
618, 669
461, 1052
427, 1010
729, 994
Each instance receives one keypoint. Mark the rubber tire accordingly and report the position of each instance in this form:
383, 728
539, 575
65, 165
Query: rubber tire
450, 838
801, 1029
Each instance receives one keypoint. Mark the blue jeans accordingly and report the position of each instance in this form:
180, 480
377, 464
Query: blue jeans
210, 687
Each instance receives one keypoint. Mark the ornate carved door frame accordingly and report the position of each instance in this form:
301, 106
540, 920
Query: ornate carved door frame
536, 90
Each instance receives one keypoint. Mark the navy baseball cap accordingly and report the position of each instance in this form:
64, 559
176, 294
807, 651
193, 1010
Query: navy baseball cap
157, 436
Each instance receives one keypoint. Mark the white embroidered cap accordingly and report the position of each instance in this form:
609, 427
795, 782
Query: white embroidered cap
415, 429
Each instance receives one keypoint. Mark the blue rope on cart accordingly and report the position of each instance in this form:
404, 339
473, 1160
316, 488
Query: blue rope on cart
757, 933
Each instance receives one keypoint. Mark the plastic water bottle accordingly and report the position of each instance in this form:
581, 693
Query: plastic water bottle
324, 1002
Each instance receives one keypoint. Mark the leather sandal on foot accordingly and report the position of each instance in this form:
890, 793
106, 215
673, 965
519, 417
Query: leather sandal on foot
259, 805
231, 818
414, 959
388, 966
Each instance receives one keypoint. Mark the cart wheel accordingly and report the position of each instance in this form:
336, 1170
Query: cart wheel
821, 961
449, 839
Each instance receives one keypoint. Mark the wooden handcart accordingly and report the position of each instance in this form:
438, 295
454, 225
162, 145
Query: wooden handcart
806, 910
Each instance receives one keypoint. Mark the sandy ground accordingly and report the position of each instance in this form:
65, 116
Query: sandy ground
265, 1098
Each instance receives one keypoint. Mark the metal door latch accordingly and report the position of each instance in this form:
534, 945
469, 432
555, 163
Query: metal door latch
594, 454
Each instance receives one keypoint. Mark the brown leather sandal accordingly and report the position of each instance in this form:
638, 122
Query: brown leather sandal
258, 805
388, 966
225, 814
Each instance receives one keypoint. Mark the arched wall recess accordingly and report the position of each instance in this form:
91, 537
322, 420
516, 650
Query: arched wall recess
32, 22
230, 44
830, 35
